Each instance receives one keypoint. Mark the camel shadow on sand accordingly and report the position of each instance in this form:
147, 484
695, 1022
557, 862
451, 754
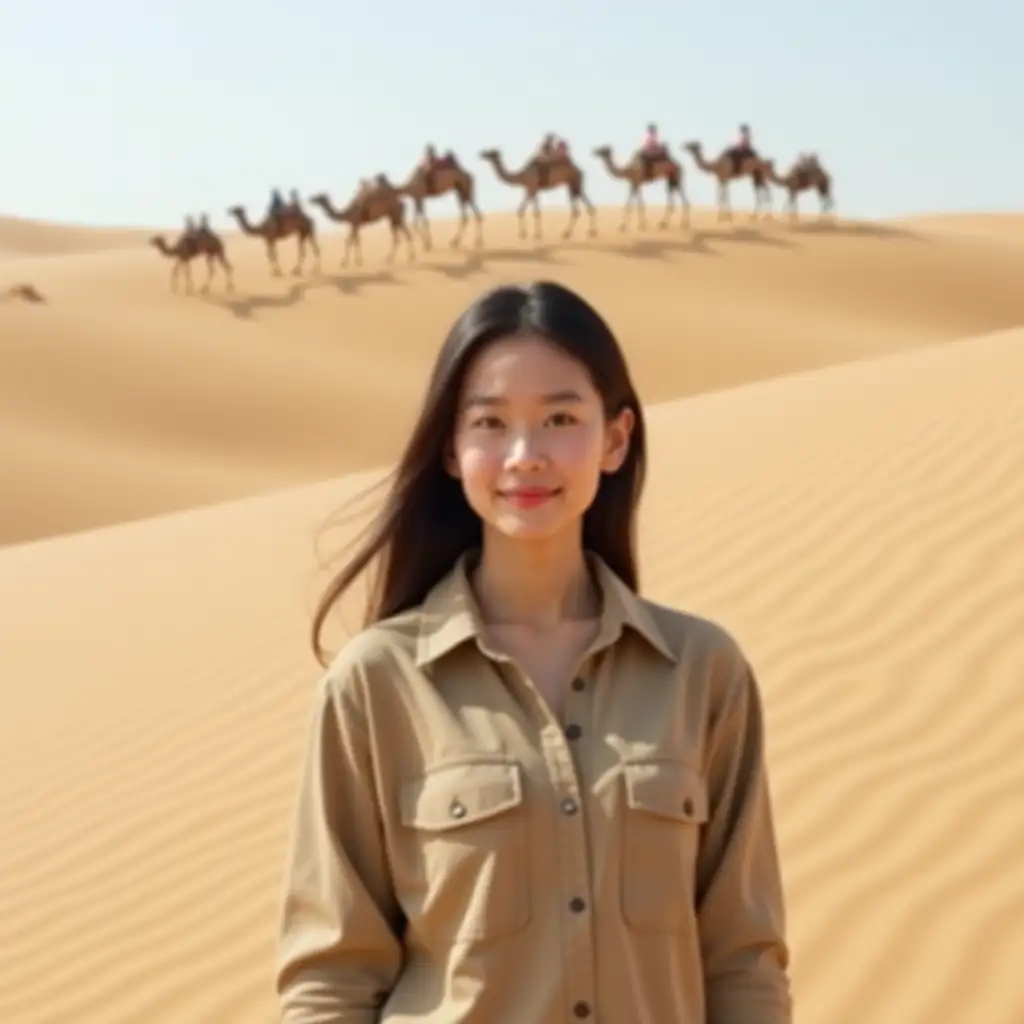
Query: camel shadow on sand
476, 261
347, 283
245, 306
852, 229
351, 282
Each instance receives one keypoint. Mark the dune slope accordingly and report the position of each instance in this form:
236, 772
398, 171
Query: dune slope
120, 400
858, 528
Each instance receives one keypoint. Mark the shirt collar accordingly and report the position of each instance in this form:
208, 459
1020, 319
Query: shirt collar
450, 615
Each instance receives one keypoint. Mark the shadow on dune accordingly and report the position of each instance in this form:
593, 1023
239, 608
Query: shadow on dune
856, 229
352, 282
748, 235
655, 248
345, 283
476, 262
244, 308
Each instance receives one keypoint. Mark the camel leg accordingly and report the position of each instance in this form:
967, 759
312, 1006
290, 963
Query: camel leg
390, 258
591, 214
521, 214
228, 273
315, 246
300, 256
627, 210
275, 267
422, 225
174, 276
188, 276
685, 219
724, 209
408, 243
478, 216
463, 222
669, 206
574, 215
352, 245
209, 274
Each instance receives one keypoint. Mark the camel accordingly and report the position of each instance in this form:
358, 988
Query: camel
539, 176
806, 173
198, 242
379, 200
446, 176
725, 168
290, 221
638, 172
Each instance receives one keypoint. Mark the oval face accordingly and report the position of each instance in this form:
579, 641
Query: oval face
531, 440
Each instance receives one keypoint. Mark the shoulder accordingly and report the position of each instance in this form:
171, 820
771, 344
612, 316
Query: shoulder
689, 635
377, 654
709, 653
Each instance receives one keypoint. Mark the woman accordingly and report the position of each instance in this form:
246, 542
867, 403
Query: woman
529, 796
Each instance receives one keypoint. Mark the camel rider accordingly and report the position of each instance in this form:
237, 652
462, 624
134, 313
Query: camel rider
190, 225
204, 223
652, 144
744, 148
276, 207
430, 159
652, 148
293, 200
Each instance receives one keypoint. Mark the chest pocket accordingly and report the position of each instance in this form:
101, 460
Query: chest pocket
666, 805
466, 852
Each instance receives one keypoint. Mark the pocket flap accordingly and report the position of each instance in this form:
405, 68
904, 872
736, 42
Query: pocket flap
452, 796
671, 789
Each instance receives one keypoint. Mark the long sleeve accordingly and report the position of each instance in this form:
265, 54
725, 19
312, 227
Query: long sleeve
740, 894
338, 954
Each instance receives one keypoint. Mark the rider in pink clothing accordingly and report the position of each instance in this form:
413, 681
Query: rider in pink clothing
651, 143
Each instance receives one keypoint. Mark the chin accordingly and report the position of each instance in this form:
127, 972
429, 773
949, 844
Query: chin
528, 526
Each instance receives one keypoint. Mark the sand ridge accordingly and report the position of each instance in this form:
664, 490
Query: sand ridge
835, 475
121, 400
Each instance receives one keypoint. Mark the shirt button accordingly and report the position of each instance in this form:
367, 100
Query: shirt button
576, 905
581, 1009
578, 684
688, 807
457, 809
573, 732
569, 806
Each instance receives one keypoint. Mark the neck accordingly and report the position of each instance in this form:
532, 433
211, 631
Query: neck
538, 585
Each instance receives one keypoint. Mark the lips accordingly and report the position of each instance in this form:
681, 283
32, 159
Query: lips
529, 497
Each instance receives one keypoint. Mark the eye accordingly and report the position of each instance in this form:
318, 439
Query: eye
563, 419
485, 423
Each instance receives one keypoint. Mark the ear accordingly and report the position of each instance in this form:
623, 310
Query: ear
618, 433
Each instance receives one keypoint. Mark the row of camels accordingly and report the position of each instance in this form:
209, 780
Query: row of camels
378, 199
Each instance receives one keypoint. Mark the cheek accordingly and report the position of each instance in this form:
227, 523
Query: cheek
476, 462
578, 452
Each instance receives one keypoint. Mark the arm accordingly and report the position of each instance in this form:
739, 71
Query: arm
740, 902
338, 954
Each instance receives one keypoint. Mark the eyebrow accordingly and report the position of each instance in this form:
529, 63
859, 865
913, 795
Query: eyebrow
553, 398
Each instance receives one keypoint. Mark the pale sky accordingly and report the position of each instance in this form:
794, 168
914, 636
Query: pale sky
125, 112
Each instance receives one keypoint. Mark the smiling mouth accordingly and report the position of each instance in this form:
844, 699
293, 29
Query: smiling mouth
529, 497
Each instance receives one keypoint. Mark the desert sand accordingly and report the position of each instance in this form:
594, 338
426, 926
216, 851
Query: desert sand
837, 474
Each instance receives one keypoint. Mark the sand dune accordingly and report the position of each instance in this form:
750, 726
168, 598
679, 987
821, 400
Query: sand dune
122, 400
858, 526
22, 236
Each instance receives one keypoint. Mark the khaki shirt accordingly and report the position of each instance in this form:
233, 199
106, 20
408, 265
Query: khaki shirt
459, 856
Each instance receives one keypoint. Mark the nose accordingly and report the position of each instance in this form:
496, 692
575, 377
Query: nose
524, 452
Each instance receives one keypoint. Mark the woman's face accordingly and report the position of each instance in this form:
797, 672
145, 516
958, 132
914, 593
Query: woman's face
531, 439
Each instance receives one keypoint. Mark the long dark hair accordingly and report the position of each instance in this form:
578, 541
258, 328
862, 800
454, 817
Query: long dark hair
425, 522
